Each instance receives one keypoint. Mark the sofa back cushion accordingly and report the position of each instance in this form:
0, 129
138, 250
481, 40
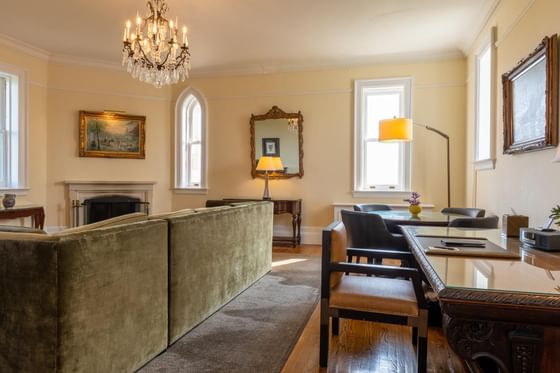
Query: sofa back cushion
117, 220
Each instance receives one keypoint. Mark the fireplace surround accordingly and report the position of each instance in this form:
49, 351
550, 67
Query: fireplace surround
78, 192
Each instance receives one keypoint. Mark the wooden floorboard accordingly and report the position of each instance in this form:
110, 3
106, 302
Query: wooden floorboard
364, 346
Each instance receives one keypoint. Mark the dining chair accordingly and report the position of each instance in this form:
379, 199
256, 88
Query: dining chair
366, 207
488, 222
368, 231
383, 298
467, 211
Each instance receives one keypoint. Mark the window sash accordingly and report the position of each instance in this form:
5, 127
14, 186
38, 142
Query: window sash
485, 105
190, 129
363, 137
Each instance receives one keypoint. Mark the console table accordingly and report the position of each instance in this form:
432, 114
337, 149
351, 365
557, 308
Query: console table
281, 206
498, 314
35, 212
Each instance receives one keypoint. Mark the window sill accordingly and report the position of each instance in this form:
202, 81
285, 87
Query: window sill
16, 191
381, 194
485, 164
190, 190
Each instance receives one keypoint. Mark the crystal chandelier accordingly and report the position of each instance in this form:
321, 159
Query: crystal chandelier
152, 53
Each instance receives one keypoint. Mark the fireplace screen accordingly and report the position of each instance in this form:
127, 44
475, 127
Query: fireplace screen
106, 207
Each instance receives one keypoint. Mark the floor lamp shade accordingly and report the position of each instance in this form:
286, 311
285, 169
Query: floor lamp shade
395, 129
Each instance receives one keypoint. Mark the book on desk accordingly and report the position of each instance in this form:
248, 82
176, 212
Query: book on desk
471, 247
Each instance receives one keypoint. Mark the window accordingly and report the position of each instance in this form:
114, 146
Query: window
380, 167
13, 126
484, 106
190, 132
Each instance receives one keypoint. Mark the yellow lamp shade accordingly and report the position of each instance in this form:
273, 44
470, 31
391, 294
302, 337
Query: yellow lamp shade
270, 164
395, 129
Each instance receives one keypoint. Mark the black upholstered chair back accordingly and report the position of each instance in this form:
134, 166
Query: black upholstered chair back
467, 211
367, 230
489, 222
365, 207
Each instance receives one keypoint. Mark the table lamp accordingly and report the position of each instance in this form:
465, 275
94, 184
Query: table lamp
267, 164
400, 130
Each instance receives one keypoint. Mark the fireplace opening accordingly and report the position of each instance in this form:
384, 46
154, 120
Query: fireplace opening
106, 207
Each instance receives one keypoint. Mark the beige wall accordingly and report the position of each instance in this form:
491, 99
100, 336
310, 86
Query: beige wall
74, 88
528, 182
325, 99
59, 91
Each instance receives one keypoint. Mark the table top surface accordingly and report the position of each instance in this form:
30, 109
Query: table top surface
424, 216
536, 272
20, 206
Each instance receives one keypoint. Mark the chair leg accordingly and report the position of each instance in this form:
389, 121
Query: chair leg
324, 334
335, 324
422, 354
414, 335
349, 260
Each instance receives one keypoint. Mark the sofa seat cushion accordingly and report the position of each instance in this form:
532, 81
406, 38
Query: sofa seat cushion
375, 294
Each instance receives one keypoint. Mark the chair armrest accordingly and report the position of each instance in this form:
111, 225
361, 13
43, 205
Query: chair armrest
381, 270
375, 269
377, 253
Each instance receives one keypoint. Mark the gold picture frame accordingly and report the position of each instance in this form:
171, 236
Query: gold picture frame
112, 135
530, 93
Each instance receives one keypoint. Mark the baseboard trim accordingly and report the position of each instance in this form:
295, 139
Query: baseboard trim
309, 235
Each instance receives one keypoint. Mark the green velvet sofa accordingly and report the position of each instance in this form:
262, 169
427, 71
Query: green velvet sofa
87, 300
110, 296
214, 254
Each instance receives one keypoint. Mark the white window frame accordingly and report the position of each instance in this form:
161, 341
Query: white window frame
359, 187
490, 162
17, 121
182, 153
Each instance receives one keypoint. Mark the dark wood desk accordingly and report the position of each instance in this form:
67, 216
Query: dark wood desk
281, 206
36, 213
498, 315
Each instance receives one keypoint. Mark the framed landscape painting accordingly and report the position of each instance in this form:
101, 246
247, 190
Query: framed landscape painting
530, 94
112, 135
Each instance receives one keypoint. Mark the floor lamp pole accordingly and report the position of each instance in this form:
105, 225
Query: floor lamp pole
446, 137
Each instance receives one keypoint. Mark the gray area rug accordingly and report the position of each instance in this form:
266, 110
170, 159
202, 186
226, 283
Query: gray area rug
256, 331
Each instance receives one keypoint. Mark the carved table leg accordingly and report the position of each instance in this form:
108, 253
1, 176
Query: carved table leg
488, 346
294, 229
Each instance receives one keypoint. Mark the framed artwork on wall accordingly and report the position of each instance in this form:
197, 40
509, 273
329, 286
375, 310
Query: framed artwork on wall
530, 93
271, 147
112, 135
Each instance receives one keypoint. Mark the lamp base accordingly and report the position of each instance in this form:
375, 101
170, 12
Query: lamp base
266, 198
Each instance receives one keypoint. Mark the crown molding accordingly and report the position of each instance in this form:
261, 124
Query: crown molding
246, 69
470, 42
321, 65
21, 46
64, 59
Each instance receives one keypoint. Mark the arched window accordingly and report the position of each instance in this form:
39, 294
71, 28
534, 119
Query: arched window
190, 141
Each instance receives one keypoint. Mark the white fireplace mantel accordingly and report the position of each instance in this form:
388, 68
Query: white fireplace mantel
81, 190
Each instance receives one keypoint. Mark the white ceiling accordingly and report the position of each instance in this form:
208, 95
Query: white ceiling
229, 35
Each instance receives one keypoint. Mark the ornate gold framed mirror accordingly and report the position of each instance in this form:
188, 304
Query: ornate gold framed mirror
278, 134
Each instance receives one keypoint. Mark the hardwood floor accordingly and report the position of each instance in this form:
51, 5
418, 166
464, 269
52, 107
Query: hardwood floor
363, 346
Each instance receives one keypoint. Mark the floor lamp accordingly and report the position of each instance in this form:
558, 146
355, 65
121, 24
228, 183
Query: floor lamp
267, 164
400, 129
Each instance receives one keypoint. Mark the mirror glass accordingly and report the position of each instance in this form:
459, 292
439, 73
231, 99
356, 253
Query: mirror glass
278, 134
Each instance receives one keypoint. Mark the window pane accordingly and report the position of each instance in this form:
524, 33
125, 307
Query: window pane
483, 105
3, 150
380, 106
196, 122
382, 163
194, 166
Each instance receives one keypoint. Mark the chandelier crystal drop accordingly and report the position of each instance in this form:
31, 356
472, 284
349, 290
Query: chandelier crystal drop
152, 53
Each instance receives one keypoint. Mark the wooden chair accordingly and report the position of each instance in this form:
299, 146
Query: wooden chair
383, 298
366, 207
467, 211
368, 231
488, 222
